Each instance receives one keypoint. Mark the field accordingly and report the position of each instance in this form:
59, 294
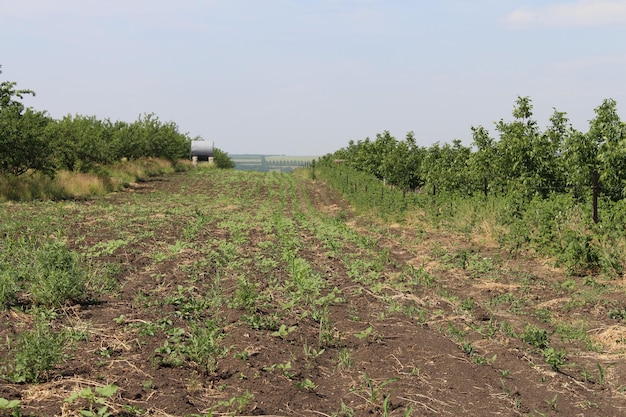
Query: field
244, 293
270, 163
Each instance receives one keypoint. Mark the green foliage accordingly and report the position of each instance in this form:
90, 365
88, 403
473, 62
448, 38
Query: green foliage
96, 400
31, 140
23, 143
222, 160
11, 406
35, 352
201, 347
579, 256
554, 357
535, 336
48, 273
56, 276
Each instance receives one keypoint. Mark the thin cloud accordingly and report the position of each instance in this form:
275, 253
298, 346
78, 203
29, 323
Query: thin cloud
581, 13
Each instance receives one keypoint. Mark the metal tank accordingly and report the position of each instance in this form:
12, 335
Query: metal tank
202, 150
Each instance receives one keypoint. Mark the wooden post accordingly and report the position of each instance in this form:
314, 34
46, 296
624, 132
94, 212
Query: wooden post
595, 195
485, 187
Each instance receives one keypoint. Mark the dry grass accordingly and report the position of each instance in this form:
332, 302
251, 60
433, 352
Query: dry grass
80, 185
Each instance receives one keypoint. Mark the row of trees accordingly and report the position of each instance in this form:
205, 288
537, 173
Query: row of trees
524, 158
32, 140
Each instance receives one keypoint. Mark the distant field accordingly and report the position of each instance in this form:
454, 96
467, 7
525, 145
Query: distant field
282, 163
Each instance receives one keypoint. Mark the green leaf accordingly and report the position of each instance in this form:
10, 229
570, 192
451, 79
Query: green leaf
8, 405
108, 390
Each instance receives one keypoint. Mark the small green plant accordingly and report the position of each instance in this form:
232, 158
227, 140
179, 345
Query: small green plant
235, 405
35, 352
283, 331
245, 295
467, 305
306, 385
344, 411
8, 286
601, 373
555, 358
10, 406
310, 353
375, 390
261, 322
553, 402
365, 333
535, 336
344, 358
95, 400
468, 348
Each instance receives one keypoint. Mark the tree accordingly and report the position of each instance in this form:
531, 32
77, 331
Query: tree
528, 157
483, 163
401, 164
222, 160
23, 145
446, 166
608, 133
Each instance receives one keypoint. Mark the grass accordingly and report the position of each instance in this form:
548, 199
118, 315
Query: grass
78, 185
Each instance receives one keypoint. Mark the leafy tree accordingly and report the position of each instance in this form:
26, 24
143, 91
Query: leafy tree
23, 145
446, 166
608, 133
81, 142
483, 163
401, 164
222, 160
529, 158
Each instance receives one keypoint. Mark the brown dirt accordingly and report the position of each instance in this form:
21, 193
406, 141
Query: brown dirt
445, 344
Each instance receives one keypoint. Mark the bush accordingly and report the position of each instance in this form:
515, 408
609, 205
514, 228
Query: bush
578, 255
222, 160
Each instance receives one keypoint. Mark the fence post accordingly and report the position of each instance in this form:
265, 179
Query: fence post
595, 195
485, 187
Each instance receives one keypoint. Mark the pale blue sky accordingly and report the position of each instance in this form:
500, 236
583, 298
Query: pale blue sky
303, 77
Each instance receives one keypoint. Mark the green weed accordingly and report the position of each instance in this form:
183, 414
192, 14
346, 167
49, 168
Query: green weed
35, 352
96, 400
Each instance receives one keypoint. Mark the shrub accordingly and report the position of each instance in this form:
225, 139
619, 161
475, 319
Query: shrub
578, 254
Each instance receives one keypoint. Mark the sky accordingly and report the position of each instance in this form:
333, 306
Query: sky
304, 77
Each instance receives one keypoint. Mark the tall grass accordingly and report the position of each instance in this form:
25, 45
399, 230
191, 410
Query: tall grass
77, 185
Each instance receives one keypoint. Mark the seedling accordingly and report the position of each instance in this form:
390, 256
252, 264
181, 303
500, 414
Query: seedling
283, 331
11, 406
306, 385
96, 400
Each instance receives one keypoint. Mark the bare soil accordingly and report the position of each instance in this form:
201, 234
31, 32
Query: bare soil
449, 343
